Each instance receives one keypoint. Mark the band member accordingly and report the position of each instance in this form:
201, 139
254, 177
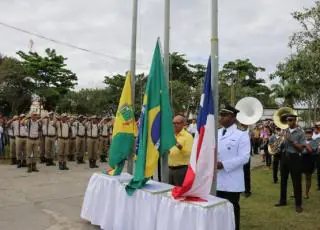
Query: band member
316, 136
192, 129
293, 144
308, 160
93, 141
265, 135
105, 134
33, 142
12, 136
64, 131
275, 144
233, 154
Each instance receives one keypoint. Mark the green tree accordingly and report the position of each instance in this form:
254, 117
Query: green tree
241, 77
49, 73
15, 88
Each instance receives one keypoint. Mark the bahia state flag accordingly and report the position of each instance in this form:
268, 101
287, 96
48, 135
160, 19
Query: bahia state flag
198, 180
156, 135
124, 129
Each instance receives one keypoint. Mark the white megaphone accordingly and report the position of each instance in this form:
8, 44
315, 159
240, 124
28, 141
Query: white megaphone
251, 110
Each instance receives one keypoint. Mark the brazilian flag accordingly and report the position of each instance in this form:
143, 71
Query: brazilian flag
124, 129
156, 134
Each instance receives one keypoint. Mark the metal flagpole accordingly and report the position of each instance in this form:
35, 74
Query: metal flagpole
133, 67
214, 81
164, 160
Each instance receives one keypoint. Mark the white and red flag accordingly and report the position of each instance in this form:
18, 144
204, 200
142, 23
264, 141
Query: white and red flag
198, 180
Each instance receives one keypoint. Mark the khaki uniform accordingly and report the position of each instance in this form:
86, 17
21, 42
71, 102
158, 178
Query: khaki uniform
72, 142
50, 133
104, 144
33, 142
63, 130
92, 140
80, 139
21, 134
12, 142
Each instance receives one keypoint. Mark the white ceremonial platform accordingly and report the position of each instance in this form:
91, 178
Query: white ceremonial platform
107, 205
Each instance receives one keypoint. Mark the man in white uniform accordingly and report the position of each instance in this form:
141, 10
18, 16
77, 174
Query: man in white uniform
233, 154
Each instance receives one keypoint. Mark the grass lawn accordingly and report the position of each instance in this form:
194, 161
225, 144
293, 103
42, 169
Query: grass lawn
258, 211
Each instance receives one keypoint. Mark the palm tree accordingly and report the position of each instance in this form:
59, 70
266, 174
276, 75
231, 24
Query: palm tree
289, 90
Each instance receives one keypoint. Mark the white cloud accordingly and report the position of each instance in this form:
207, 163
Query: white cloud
255, 29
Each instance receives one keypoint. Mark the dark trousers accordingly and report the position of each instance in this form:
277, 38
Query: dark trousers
177, 174
247, 176
256, 144
267, 155
275, 167
291, 163
318, 169
234, 198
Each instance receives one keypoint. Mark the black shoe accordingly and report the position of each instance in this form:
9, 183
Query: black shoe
64, 164
103, 158
50, 162
71, 157
42, 159
34, 167
13, 161
247, 194
318, 188
29, 170
60, 165
19, 164
94, 164
280, 204
275, 182
299, 209
24, 163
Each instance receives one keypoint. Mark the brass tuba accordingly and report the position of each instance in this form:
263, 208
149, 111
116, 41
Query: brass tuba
278, 117
251, 110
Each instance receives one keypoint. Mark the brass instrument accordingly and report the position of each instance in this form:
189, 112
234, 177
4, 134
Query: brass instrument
251, 110
275, 147
278, 117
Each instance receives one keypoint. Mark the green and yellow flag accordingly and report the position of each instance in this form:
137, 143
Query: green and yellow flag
124, 129
156, 135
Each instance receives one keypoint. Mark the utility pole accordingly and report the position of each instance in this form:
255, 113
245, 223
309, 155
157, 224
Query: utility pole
133, 66
215, 82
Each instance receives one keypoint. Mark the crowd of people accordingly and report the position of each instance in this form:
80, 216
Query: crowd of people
55, 137
66, 138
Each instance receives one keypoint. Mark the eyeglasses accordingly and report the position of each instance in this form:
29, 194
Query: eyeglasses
290, 119
177, 123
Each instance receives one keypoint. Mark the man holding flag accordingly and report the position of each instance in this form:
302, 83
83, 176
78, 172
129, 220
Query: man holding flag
233, 154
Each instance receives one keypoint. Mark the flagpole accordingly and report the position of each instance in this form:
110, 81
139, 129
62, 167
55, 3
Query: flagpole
164, 160
214, 80
133, 67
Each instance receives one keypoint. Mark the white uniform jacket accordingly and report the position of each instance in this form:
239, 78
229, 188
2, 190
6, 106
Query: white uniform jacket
233, 152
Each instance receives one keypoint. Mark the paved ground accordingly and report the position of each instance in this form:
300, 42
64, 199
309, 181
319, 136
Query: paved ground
48, 200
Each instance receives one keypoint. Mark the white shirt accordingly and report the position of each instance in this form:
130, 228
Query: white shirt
105, 130
233, 152
192, 128
92, 130
33, 127
315, 136
63, 129
80, 128
48, 128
